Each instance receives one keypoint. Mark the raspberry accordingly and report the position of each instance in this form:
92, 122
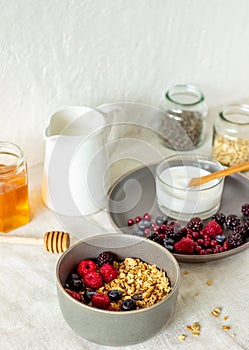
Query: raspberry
74, 295
101, 301
111, 308
86, 266
185, 246
108, 272
93, 280
213, 229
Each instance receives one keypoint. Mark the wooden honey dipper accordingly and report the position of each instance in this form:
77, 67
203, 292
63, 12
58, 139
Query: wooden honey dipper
53, 241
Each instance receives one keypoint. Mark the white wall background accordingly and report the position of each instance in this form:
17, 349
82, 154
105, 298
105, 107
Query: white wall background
57, 53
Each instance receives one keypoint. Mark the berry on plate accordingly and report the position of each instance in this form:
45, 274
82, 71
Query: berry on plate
195, 224
213, 229
185, 246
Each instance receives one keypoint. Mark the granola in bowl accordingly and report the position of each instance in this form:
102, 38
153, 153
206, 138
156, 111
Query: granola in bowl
117, 285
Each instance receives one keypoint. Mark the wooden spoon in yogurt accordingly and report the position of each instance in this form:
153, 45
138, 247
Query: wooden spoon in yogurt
197, 181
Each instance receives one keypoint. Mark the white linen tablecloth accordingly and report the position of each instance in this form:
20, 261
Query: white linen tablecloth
30, 317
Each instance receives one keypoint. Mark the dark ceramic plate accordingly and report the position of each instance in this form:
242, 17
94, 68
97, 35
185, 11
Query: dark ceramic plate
135, 194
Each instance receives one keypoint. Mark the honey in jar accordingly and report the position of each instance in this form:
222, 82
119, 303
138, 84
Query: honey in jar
14, 204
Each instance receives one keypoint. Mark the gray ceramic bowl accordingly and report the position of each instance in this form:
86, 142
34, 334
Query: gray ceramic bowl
111, 327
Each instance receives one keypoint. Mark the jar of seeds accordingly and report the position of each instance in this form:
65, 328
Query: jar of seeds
231, 135
183, 124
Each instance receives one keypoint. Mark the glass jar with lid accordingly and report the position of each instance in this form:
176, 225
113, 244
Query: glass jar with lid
14, 204
231, 135
183, 124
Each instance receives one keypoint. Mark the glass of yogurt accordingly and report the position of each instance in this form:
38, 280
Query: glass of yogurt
181, 202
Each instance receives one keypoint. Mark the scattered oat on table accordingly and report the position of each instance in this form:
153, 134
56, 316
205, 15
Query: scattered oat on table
226, 328
186, 272
209, 282
216, 312
182, 337
195, 329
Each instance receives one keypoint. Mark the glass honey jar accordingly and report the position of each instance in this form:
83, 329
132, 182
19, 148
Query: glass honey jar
231, 135
14, 203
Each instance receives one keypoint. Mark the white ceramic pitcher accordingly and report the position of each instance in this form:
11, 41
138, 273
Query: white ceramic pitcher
75, 179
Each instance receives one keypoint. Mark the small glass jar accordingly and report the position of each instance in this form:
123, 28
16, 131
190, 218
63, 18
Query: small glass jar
231, 135
184, 122
179, 201
14, 204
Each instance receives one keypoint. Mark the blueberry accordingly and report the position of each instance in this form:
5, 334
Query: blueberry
169, 247
161, 220
220, 238
74, 282
147, 223
168, 241
128, 305
141, 226
114, 294
88, 295
139, 233
144, 224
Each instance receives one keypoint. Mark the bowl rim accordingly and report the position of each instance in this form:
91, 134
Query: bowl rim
173, 290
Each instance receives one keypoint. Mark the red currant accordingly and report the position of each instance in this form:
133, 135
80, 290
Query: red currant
195, 234
156, 228
200, 241
147, 216
213, 242
163, 227
138, 219
130, 222
147, 231
225, 245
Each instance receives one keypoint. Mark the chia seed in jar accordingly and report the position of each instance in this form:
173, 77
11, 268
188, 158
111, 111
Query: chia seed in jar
183, 123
